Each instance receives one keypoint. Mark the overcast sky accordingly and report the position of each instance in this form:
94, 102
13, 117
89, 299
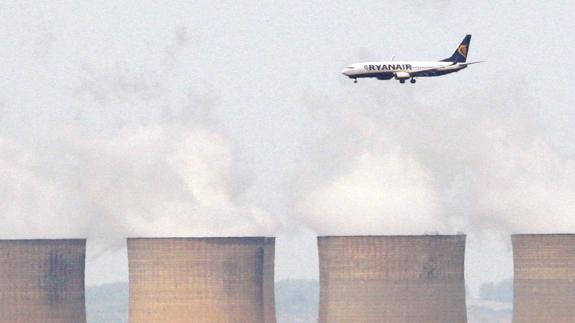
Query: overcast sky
140, 118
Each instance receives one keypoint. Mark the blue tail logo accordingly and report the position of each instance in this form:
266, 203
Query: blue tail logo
462, 49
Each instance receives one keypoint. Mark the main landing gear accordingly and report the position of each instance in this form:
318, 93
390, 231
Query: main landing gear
412, 81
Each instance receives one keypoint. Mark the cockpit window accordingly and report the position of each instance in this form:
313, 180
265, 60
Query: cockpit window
350, 67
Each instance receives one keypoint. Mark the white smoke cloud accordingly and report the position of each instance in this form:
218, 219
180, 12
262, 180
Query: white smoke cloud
31, 203
378, 191
159, 180
528, 189
391, 165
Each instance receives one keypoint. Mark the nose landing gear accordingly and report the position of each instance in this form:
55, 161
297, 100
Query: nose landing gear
355, 80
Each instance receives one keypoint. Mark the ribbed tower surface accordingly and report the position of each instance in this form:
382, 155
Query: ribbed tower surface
216, 280
544, 283
42, 281
392, 279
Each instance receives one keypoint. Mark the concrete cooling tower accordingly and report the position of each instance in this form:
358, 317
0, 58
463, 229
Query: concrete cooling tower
42, 281
216, 280
544, 283
392, 279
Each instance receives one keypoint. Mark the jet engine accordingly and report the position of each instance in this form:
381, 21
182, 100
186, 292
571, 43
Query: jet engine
402, 75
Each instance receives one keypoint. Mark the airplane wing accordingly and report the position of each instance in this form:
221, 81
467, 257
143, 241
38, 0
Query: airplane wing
429, 71
432, 71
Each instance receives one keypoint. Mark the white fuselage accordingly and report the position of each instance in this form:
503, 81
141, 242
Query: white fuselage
401, 69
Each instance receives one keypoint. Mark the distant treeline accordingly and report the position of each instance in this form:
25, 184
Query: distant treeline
501, 292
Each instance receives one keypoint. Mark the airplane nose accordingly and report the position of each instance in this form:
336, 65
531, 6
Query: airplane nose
345, 72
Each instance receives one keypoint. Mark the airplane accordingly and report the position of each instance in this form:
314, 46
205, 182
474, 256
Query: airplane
405, 70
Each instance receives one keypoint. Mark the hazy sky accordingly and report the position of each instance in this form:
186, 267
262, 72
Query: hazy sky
133, 118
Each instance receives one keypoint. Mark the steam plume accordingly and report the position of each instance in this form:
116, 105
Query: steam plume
391, 165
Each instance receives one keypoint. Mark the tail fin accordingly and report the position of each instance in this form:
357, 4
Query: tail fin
460, 54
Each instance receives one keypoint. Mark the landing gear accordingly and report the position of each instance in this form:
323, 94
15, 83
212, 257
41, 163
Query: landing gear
354, 80
402, 81
412, 81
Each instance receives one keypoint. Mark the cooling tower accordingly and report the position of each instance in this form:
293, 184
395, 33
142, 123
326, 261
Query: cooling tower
42, 281
182, 280
544, 283
392, 279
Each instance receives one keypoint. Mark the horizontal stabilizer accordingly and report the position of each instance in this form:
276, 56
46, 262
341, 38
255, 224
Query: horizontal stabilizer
470, 63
